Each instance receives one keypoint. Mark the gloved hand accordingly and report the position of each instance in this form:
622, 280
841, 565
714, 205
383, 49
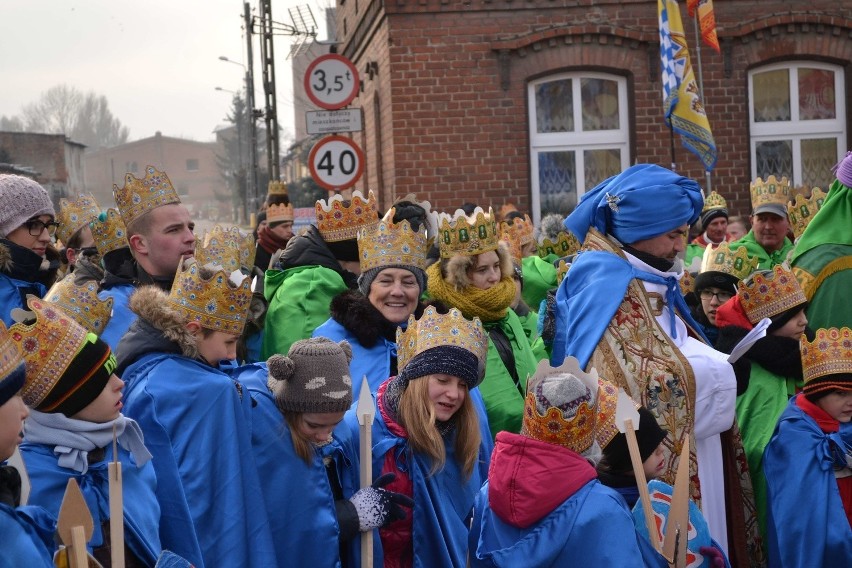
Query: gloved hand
10, 486
714, 555
378, 507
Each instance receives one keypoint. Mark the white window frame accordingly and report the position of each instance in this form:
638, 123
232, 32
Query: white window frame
577, 140
795, 129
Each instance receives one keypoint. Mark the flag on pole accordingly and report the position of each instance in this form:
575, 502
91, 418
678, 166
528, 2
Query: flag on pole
683, 110
706, 21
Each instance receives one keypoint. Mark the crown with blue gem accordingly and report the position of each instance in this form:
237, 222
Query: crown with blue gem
138, 196
390, 243
440, 330
228, 247
81, 302
210, 296
74, 214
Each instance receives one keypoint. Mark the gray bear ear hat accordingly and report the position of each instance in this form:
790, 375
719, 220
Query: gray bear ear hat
313, 377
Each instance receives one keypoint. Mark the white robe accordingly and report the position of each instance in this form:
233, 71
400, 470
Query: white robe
715, 407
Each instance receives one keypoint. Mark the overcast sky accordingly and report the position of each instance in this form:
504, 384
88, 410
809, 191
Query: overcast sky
156, 61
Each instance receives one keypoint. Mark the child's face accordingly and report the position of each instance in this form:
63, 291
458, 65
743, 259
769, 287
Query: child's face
217, 346
12, 415
793, 328
318, 426
837, 404
107, 406
655, 463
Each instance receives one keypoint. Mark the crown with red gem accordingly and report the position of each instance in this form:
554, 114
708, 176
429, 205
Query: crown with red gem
574, 423
467, 235
802, 210
138, 196
830, 353
210, 296
736, 263
339, 221
109, 232
517, 233
390, 243
10, 356
769, 293
440, 330
74, 214
565, 244
227, 247
81, 302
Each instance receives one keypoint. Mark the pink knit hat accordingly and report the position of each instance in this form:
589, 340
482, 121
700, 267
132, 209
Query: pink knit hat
21, 199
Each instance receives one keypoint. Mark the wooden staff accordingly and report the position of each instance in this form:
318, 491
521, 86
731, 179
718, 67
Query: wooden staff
677, 525
75, 525
116, 507
366, 412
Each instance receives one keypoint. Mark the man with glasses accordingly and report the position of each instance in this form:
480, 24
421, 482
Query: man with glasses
28, 260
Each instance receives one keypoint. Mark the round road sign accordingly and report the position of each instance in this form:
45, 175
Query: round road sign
336, 162
331, 81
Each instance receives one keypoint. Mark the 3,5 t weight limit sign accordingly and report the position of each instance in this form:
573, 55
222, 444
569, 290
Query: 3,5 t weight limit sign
331, 81
336, 162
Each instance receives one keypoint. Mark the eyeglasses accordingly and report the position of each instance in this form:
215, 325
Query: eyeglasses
721, 296
36, 226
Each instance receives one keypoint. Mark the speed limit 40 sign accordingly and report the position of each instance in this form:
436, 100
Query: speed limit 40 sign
336, 162
331, 81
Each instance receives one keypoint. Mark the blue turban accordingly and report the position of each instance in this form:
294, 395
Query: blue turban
641, 202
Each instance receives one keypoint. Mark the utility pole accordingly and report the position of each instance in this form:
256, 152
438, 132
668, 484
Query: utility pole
251, 114
268, 62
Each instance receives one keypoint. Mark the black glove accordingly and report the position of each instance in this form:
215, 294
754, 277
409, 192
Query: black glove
378, 507
10, 486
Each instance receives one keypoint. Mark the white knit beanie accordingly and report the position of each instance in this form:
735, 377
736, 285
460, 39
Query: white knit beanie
21, 199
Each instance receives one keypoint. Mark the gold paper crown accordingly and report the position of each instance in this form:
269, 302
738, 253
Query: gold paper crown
714, 201
276, 188
517, 233
390, 243
830, 353
565, 244
771, 191
592, 421
228, 247
109, 232
467, 235
280, 212
48, 346
10, 357
736, 262
768, 294
802, 210
74, 215
339, 222
216, 303
138, 196
440, 330
81, 302
687, 283
561, 270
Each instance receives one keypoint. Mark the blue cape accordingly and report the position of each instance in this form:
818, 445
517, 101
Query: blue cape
27, 534
12, 295
122, 317
806, 522
141, 510
197, 427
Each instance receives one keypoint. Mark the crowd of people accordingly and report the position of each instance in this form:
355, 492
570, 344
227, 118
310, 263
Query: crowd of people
417, 388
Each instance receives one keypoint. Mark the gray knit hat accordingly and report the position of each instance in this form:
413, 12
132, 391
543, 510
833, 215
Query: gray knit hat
313, 377
21, 199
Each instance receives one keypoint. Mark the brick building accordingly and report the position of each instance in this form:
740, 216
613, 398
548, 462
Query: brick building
54, 161
190, 165
534, 102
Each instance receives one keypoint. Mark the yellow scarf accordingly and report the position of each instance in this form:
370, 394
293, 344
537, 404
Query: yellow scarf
488, 305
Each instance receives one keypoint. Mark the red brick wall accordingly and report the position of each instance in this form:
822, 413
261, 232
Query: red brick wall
451, 132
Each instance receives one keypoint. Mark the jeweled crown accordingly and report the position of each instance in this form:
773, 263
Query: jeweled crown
714, 201
109, 232
276, 188
517, 233
81, 302
227, 247
468, 235
590, 422
440, 330
561, 270
390, 243
830, 353
337, 221
48, 346
565, 244
219, 302
735, 262
280, 212
772, 191
74, 214
767, 294
138, 196
802, 210
10, 356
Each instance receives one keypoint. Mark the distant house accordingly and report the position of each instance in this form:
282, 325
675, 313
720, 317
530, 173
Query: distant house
190, 165
53, 160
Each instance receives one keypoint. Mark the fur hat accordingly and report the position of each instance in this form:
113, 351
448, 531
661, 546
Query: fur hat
12, 369
458, 265
21, 199
313, 377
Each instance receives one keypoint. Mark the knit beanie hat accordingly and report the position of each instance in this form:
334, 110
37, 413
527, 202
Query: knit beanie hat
12, 368
649, 435
711, 215
313, 377
443, 360
21, 199
714, 279
365, 280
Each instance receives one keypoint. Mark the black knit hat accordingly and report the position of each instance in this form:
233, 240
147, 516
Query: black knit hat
444, 360
710, 215
649, 435
83, 380
714, 279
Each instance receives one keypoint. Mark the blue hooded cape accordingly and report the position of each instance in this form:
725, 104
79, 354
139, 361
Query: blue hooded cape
141, 510
27, 534
197, 427
122, 317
